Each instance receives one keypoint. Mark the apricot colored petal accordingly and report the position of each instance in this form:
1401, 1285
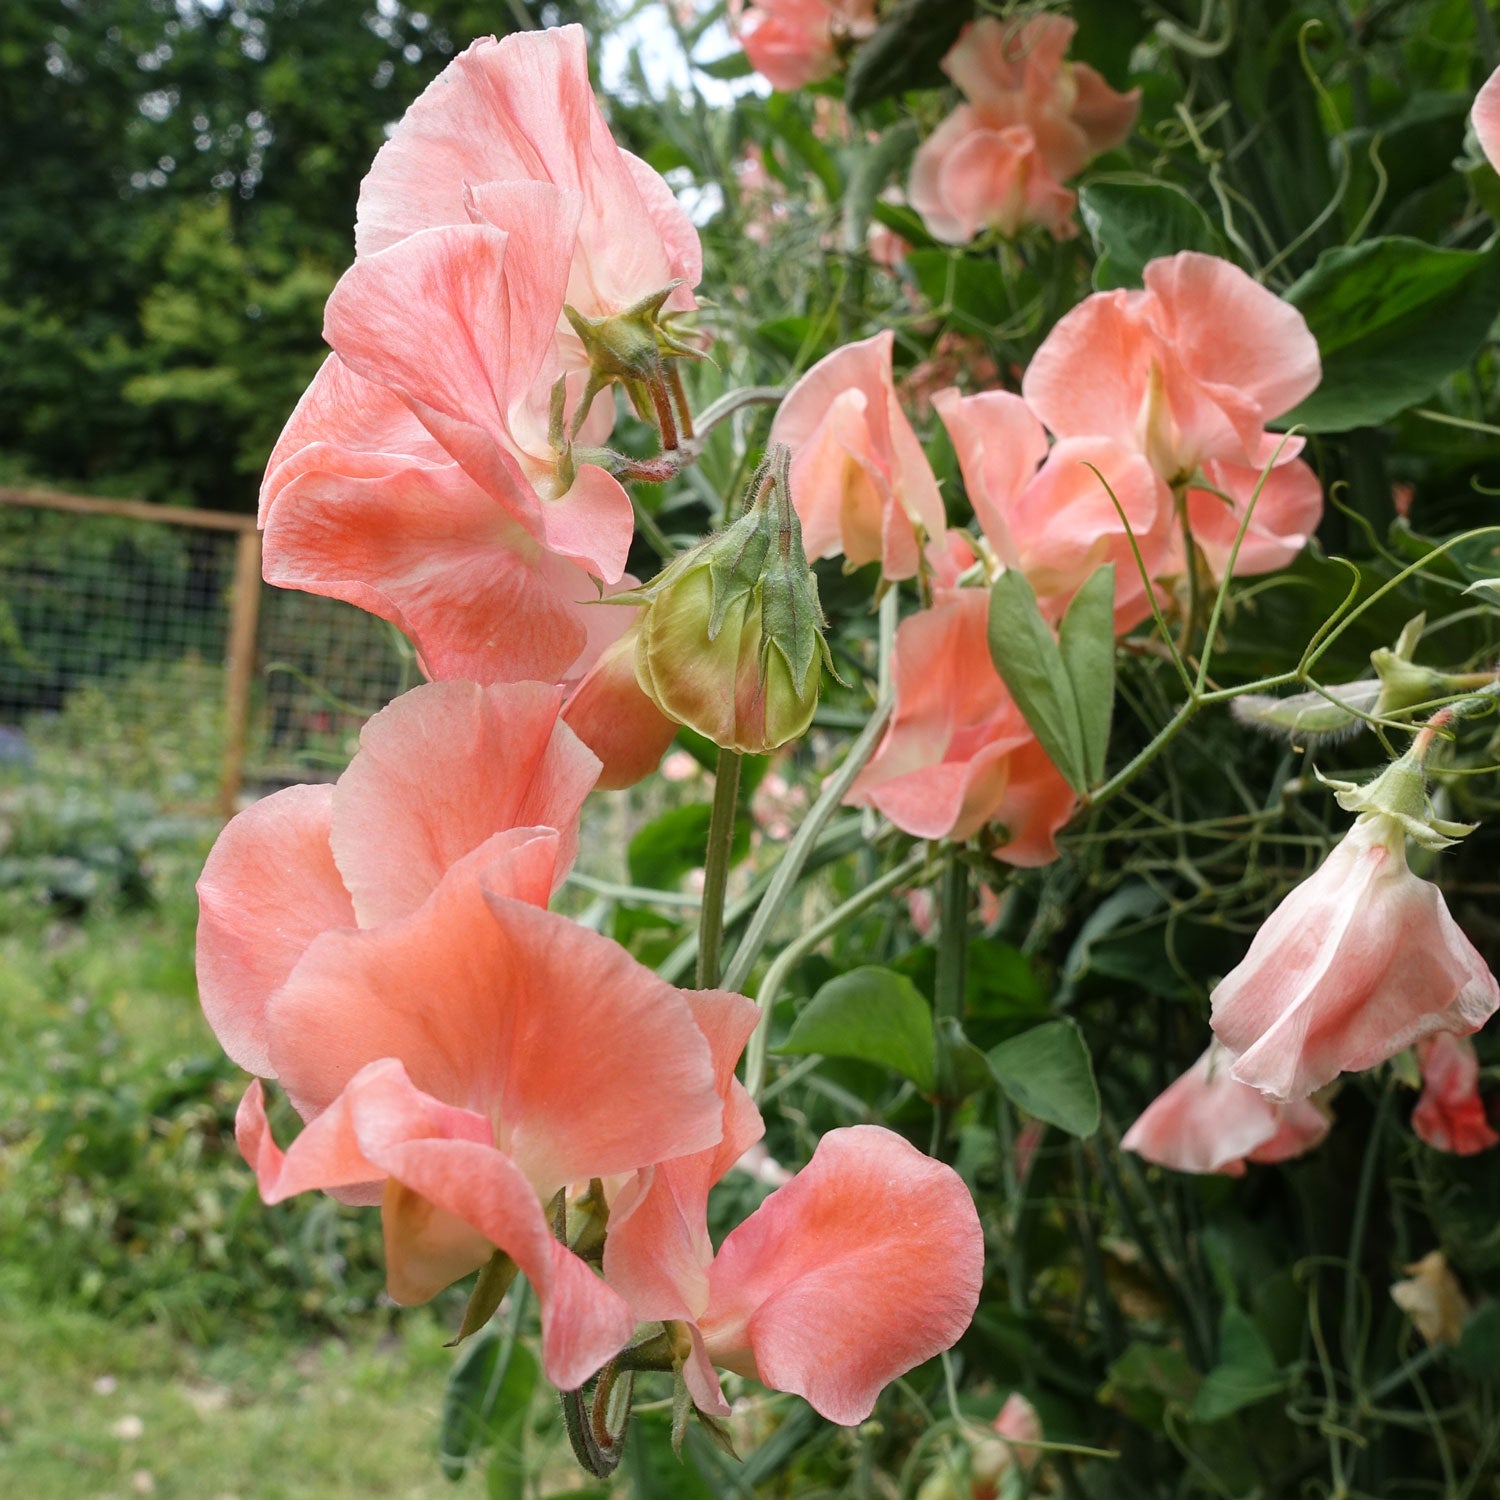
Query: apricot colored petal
999, 443
1207, 1121
441, 770
998, 179
592, 523
1064, 525
591, 1064
1360, 961
1105, 116
658, 1250
1227, 328
341, 410
1089, 378
866, 1264
1287, 512
790, 42
925, 187
1450, 1114
1301, 1126
1035, 803
432, 552
522, 108
584, 1322
840, 497
1487, 118
611, 714
268, 888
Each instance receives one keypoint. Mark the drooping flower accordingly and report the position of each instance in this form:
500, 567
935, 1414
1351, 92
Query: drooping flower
1486, 117
1360, 961
457, 1053
1207, 1121
792, 43
1450, 1114
860, 481
1049, 514
1188, 372
1032, 121
958, 754
866, 1263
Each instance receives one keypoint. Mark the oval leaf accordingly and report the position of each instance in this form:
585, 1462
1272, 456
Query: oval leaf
873, 1015
1132, 221
1030, 663
1047, 1072
1086, 639
1393, 319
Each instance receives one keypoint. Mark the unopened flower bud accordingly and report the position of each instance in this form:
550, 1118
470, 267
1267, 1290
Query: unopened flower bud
731, 640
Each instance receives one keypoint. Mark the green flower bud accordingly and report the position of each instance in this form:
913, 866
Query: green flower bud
731, 641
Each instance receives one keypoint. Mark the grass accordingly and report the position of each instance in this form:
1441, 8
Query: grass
90, 1408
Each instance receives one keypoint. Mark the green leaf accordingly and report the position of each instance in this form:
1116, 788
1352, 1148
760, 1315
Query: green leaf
1393, 319
875, 165
651, 1466
784, 115
732, 65
1030, 663
1479, 1345
1147, 1379
490, 1387
1246, 1372
1134, 220
970, 1067
905, 50
671, 845
1047, 1072
1086, 639
977, 294
494, 1281
870, 1014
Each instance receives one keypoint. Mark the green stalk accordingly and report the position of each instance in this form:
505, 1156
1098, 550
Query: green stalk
716, 861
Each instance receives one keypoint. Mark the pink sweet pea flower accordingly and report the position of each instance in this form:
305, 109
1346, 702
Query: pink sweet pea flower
792, 43
1450, 1115
438, 776
1032, 121
1486, 117
860, 480
866, 1263
517, 111
958, 754
458, 1053
1207, 1121
1357, 963
968, 176
610, 712
1056, 523
1186, 371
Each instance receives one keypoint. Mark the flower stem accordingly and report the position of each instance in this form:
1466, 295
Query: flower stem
716, 863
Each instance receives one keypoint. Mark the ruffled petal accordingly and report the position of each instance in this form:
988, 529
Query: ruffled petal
866, 1264
268, 888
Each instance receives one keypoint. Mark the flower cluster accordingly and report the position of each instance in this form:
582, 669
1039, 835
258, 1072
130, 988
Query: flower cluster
1157, 403
1031, 121
514, 1090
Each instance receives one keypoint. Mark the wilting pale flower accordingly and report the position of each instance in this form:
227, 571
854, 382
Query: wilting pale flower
860, 481
1432, 1299
1450, 1114
1358, 962
1486, 117
1207, 1121
1049, 514
792, 43
1188, 372
1032, 121
958, 754
458, 1053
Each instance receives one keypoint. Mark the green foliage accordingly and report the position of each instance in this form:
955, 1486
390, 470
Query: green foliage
1133, 221
1048, 1072
870, 1014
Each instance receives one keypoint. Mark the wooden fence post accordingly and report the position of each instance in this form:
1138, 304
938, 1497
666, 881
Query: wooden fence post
239, 675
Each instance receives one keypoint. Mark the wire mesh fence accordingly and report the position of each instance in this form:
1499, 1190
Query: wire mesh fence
140, 650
